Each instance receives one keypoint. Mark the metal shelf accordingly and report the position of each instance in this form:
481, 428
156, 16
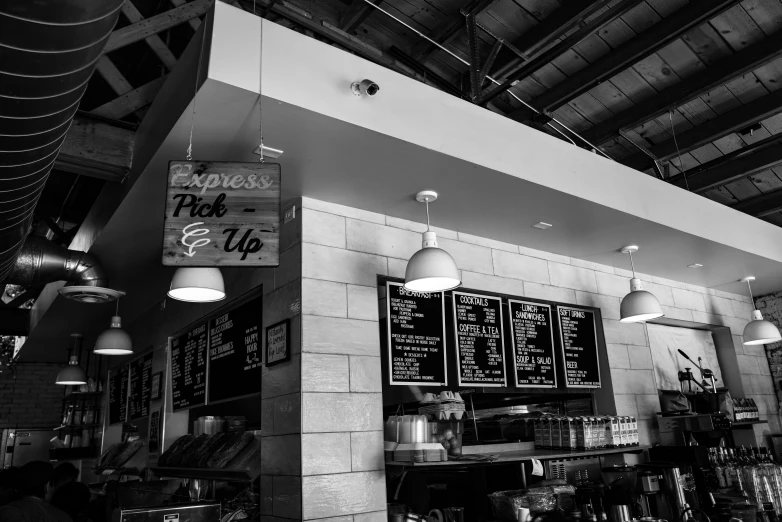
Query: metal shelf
746, 424
227, 475
77, 426
522, 455
82, 395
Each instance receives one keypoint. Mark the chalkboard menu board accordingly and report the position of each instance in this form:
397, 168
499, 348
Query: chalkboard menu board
480, 343
579, 347
533, 344
235, 364
416, 337
188, 368
118, 395
140, 380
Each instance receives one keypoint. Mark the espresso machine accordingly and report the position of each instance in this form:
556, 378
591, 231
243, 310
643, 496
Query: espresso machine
677, 490
620, 494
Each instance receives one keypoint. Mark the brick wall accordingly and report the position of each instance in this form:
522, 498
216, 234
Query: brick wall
32, 400
771, 308
343, 251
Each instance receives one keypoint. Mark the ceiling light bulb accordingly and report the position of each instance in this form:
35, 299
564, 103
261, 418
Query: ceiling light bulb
431, 269
639, 305
197, 285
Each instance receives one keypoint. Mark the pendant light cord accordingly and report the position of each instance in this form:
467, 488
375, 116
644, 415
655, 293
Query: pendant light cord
195, 90
678, 152
631, 264
117, 313
427, 215
750, 293
260, 89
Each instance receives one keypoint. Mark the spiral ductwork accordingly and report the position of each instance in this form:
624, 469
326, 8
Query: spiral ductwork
48, 52
41, 262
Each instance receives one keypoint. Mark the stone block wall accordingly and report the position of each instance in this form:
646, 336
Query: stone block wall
344, 250
771, 308
30, 399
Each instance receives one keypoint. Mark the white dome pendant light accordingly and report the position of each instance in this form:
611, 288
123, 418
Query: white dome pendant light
758, 330
72, 374
197, 285
431, 269
639, 305
115, 340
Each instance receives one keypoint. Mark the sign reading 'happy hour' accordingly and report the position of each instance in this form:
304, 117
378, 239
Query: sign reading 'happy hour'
222, 214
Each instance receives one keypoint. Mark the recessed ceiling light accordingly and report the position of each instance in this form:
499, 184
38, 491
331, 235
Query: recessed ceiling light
695, 265
541, 225
268, 152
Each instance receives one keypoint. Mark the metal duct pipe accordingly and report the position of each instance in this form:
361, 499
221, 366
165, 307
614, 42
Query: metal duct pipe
41, 262
48, 52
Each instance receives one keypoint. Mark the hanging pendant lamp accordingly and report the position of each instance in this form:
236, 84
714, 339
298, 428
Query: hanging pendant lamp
197, 285
758, 330
639, 305
115, 340
72, 374
431, 269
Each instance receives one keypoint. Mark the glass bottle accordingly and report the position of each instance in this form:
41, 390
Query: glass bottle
718, 468
732, 476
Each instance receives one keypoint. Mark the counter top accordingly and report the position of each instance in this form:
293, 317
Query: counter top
503, 457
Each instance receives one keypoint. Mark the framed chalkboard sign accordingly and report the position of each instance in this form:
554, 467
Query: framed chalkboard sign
278, 343
118, 394
532, 338
140, 387
578, 335
480, 339
416, 337
235, 366
157, 380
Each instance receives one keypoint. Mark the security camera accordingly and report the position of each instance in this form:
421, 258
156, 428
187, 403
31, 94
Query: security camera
364, 88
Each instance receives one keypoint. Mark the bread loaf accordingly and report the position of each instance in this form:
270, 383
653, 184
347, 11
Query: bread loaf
232, 447
186, 455
248, 459
208, 449
162, 461
174, 454
127, 452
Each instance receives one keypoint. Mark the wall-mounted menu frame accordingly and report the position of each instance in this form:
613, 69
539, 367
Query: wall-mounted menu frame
532, 342
480, 339
140, 387
188, 366
416, 337
579, 344
118, 394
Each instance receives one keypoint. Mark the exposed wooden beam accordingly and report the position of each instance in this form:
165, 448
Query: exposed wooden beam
739, 118
355, 14
761, 206
113, 76
154, 24
568, 16
744, 162
155, 43
194, 22
624, 56
713, 76
542, 58
131, 101
97, 148
448, 27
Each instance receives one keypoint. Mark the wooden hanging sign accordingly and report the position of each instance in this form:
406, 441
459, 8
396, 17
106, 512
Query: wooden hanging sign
222, 214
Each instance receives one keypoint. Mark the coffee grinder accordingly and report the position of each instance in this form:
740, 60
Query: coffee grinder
620, 482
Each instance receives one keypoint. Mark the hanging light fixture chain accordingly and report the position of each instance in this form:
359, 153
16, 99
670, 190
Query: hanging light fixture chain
195, 90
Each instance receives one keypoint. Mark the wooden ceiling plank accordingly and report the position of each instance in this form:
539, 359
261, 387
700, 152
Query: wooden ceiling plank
641, 18
666, 8
720, 195
608, 94
681, 59
540, 9
721, 100
131, 101
656, 72
569, 62
592, 48
697, 113
590, 108
761, 206
706, 153
616, 33
743, 189
737, 28
155, 43
766, 14
770, 75
729, 144
646, 43
766, 181
355, 14
740, 164
543, 58
154, 24
632, 85
736, 65
746, 88
96, 148
731, 122
193, 22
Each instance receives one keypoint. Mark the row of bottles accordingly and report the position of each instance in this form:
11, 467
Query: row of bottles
752, 471
745, 410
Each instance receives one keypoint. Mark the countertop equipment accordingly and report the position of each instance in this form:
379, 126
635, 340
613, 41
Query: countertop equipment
620, 482
190, 512
677, 485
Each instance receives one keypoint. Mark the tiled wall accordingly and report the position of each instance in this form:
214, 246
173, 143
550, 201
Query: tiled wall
343, 251
30, 397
